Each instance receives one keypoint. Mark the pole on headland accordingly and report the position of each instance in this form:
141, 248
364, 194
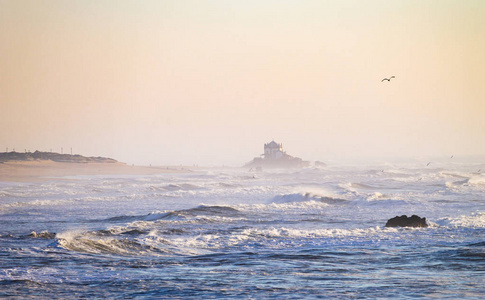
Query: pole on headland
62, 150
71, 150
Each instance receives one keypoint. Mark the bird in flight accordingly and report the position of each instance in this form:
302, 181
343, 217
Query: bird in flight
428, 164
388, 79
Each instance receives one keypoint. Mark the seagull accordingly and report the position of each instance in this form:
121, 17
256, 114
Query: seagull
428, 164
451, 156
388, 79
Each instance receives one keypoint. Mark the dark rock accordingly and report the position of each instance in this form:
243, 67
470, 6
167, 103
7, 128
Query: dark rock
404, 221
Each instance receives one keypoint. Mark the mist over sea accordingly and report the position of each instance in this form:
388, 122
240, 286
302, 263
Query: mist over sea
231, 233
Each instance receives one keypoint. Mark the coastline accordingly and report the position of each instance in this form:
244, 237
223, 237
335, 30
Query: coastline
45, 170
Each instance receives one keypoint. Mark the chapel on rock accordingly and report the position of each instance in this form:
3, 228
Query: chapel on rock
275, 157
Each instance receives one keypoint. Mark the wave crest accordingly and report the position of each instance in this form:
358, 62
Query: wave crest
305, 197
476, 220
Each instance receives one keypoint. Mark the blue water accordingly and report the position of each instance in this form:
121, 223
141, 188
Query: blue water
230, 233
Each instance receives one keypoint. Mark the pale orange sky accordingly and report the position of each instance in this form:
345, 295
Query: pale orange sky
209, 82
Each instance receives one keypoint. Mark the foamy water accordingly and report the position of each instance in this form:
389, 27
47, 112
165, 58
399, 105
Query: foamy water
313, 233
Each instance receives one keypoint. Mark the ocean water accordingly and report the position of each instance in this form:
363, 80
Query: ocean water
231, 233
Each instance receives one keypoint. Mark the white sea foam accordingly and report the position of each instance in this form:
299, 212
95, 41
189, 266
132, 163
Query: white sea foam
299, 233
297, 197
477, 180
476, 220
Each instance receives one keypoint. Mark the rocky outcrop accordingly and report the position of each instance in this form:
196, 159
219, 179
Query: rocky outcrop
404, 221
319, 164
286, 161
275, 157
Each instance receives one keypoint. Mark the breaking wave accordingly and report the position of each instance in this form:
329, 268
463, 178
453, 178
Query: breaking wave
304, 197
95, 244
477, 180
476, 220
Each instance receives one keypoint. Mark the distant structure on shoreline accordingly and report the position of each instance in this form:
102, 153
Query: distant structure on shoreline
275, 157
37, 155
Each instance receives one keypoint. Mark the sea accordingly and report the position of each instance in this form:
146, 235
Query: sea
234, 233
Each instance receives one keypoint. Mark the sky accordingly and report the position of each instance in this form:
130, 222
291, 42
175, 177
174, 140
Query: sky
209, 82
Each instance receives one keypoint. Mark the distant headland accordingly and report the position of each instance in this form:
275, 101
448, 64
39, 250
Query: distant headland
52, 156
43, 166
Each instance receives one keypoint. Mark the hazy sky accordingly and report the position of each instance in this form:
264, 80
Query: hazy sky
209, 82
